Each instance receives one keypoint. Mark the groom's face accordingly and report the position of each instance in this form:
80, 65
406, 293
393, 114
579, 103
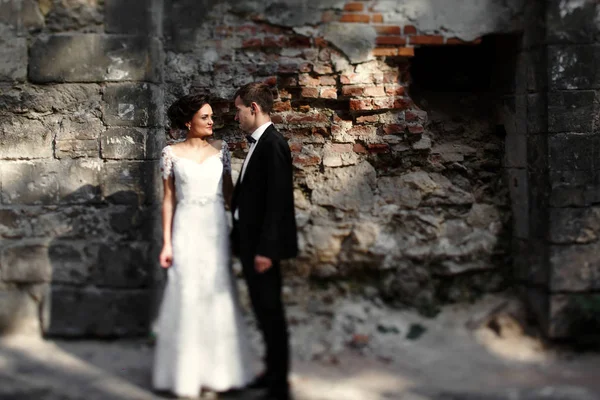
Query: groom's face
245, 116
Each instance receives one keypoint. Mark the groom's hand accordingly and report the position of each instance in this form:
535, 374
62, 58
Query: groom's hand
261, 264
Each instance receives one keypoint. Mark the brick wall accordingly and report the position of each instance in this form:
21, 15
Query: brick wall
394, 198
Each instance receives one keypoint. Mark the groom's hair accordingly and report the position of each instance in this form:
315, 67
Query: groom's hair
258, 93
183, 109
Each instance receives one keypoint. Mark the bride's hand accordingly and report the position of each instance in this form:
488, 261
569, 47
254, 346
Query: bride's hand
166, 257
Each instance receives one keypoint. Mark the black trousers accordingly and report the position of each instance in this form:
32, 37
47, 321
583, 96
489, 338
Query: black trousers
265, 294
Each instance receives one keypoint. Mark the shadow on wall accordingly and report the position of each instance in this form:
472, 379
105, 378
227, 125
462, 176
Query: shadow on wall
105, 283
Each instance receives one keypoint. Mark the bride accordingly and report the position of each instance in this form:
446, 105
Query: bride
201, 341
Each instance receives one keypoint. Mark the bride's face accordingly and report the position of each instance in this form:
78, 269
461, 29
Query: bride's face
201, 124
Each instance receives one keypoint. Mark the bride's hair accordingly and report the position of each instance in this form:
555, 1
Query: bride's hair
183, 109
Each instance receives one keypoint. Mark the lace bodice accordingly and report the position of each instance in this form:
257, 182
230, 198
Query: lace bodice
196, 183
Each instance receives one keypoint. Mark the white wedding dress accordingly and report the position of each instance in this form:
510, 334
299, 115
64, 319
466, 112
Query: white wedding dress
201, 337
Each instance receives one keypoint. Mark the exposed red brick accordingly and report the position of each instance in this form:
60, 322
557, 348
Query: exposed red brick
320, 130
282, 106
287, 68
340, 147
378, 148
275, 41
367, 119
382, 104
284, 94
322, 69
305, 160
410, 116
306, 118
352, 78
307, 80
402, 103
353, 90
329, 93
377, 19
391, 77
320, 42
359, 105
393, 129
251, 43
272, 29
236, 145
327, 80
277, 118
374, 91
362, 130
247, 29
304, 108
390, 41
359, 18
354, 7
311, 92
391, 90
359, 148
416, 129
299, 41
388, 30
427, 39
295, 147
271, 81
455, 40
288, 81
305, 67
406, 51
410, 30
385, 52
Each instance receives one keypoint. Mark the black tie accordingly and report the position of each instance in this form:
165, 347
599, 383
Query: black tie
250, 139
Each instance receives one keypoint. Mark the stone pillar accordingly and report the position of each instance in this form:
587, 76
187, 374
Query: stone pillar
79, 183
560, 260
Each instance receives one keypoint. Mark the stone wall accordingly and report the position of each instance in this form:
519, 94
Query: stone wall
395, 197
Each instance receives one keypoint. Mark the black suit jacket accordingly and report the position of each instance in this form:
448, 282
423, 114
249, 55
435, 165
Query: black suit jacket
265, 202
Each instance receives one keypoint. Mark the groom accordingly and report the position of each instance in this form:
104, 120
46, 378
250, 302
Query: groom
264, 229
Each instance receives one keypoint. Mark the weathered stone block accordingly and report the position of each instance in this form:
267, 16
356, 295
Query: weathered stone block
515, 154
24, 138
574, 225
575, 267
98, 312
572, 188
77, 101
347, 188
571, 67
573, 316
69, 264
73, 148
569, 22
94, 58
123, 143
123, 265
10, 13
13, 59
537, 114
73, 222
538, 203
29, 183
131, 17
537, 152
537, 71
571, 111
26, 263
19, 313
578, 157
519, 197
133, 104
155, 142
128, 182
80, 126
13, 223
531, 261
86, 16
80, 181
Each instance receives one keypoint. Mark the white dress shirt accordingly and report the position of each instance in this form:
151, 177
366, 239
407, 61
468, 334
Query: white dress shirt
256, 135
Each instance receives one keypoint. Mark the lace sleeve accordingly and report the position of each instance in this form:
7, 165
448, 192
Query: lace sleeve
166, 163
226, 157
